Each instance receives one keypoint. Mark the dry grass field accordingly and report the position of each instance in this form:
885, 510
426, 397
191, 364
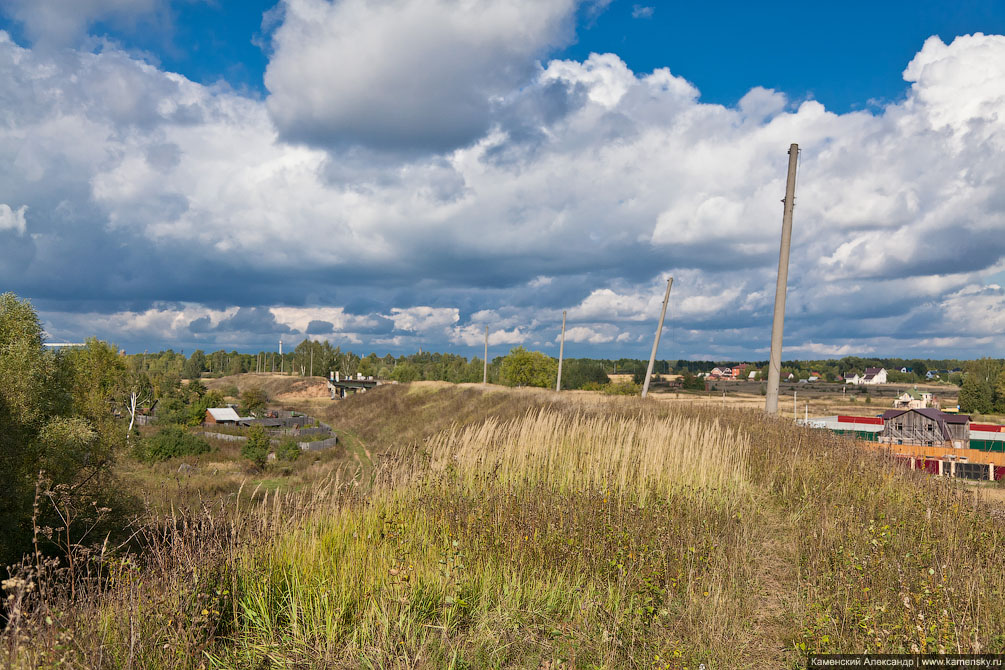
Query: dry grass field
468, 527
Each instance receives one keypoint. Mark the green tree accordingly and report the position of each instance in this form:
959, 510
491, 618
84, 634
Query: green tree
170, 442
976, 395
528, 368
256, 448
405, 372
197, 410
288, 450
577, 373
999, 395
195, 365
46, 412
253, 401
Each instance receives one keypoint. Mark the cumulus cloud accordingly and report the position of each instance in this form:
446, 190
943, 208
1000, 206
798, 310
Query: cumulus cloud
65, 22
13, 219
474, 336
592, 335
191, 196
404, 74
423, 318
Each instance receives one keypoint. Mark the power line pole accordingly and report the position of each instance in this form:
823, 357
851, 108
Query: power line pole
282, 361
312, 360
656, 341
777, 325
561, 352
485, 363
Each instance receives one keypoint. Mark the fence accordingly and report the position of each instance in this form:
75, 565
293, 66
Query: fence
224, 436
319, 445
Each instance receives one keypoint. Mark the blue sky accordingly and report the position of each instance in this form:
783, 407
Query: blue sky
396, 174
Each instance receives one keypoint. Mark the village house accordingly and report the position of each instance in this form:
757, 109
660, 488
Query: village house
913, 399
871, 376
925, 426
874, 376
221, 415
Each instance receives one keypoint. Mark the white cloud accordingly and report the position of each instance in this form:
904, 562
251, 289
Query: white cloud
595, 335
424, 319
13, 219
64, 22
642, 12
603, 183
404, 74
820, 349
473, 335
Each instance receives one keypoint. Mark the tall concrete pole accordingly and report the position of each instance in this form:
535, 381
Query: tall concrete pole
777, 325
656, 342
485, 363
561, 352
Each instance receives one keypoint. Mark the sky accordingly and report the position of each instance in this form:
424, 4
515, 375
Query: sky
397, 174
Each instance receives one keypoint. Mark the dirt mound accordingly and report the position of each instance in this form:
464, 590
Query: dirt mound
276, 387
306, 388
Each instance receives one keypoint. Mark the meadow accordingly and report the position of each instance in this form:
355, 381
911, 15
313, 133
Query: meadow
465, 528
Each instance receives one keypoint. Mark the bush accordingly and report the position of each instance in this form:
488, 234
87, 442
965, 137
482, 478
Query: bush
288, 450
253, 401
256, 449
405, 372
528, 368
170, 442
623, 388
593, 386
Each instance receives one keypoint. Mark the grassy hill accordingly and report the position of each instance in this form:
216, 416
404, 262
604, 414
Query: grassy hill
497, 528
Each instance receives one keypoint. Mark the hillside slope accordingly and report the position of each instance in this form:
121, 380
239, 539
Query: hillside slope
500, 528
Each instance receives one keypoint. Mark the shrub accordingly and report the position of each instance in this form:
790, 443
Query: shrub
593, 386
170, 442
288, 450
253, 401
623, 388
528, 368
256, 449
405, 372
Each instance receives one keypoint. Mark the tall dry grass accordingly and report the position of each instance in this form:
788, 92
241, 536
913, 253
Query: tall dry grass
628, 455
522, 532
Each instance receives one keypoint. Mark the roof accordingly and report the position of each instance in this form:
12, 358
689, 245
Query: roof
223, 414
939, 417
873, 371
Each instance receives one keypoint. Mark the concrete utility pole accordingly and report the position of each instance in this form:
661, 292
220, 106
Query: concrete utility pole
485, 363
282, 362
656, 342
777, 325
561, 352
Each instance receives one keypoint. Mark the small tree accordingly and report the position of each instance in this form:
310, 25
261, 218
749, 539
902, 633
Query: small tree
170, 442
528, 368
288, 450
253, 401
405, 372
256, 449
976, 395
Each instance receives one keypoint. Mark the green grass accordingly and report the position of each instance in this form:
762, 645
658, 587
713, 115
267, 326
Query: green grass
526, 530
